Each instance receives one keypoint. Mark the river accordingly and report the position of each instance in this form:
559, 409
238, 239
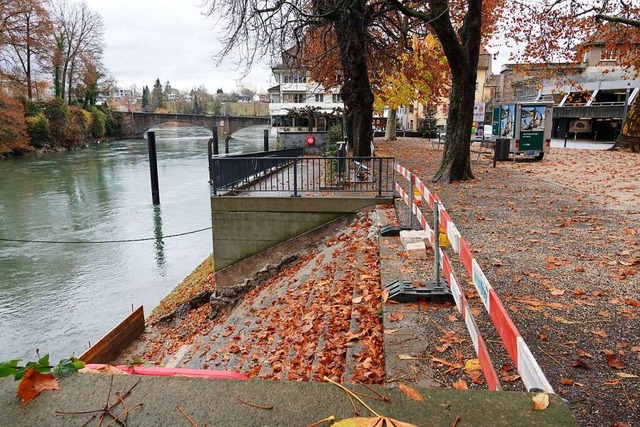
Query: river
57, 297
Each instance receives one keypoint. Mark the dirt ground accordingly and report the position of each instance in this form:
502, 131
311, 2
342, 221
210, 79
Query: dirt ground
559, 241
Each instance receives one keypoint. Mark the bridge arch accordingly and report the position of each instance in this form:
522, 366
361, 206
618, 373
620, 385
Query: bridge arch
136, 124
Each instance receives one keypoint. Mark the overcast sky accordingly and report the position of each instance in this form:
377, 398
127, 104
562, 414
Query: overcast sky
172, 40
166, 39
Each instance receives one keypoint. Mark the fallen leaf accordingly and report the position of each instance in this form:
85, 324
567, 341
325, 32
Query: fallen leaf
540, 401
612, 361
566, 381
579, 363
33, 383
446, 363
632, 302
396, 317
583, 353
472, 365
626, 375
557, 292
611, 382
390, 331
410, 392
460, 384
356, 300
600, 333
385, 296
371, 422
560, 319
407, 357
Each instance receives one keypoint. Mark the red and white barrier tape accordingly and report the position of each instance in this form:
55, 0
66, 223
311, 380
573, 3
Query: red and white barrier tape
528, 368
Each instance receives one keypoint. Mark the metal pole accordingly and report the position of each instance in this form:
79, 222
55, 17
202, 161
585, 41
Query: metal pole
565, 139
153, 168
216, 151
626, 107
266, 140
412, 183
210, 159
436, 229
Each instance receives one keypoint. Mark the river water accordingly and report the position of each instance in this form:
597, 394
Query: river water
59, 296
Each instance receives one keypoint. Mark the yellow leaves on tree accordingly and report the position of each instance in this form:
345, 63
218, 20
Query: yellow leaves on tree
420, 75
33, 383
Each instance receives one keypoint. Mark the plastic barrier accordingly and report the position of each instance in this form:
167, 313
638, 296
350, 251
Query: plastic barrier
522, 358
173, 372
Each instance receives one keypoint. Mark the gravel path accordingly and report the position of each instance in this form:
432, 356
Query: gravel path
559, 241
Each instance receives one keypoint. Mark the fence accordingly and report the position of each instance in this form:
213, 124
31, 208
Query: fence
522, 358
298, 175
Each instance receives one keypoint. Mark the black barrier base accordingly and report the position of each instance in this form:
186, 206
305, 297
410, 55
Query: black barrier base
405, 291
394, 230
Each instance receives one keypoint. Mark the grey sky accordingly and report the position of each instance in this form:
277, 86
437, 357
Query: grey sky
168, 39
172, 40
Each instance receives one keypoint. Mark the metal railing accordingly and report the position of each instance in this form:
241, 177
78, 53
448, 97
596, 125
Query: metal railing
224, 170
298, 175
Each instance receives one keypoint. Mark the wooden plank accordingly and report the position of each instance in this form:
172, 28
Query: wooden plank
109, 347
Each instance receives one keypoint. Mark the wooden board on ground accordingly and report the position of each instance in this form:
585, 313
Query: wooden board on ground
115, 341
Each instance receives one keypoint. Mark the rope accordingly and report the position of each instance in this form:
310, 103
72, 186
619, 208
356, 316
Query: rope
92, 242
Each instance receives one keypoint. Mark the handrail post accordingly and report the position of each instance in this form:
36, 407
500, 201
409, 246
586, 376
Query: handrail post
379, 176
295, 177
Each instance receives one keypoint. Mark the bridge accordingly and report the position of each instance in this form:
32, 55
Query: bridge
136, 124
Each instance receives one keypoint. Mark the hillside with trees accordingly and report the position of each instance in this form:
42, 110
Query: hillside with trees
51, 74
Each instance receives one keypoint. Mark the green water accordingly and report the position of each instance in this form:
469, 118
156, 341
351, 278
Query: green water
59, 297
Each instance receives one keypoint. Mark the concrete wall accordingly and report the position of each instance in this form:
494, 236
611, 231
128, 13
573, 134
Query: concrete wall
245, 226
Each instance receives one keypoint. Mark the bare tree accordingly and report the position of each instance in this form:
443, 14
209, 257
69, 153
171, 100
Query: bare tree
78, 31
28, 37
256, 28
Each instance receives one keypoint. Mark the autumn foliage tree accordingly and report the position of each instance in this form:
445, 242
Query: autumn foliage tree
421, 76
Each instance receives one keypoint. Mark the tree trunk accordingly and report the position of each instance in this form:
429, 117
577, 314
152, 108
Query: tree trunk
462, 50
456, 162
629, 139
356, 91
390, 132
28, 54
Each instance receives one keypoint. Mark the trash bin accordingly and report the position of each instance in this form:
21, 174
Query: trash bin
502, 148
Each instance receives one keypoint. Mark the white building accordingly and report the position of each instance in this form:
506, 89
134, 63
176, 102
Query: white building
295, 90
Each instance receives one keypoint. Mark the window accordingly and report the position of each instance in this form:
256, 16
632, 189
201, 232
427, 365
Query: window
335, 97
607, 55
319, 97
299, 98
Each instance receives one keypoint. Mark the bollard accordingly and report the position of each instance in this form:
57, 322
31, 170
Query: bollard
216, 150
565, 139
266, 140
226, 144
153, 167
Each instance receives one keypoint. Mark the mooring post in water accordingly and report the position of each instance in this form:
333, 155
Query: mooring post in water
216, 151
153, 167
266, 140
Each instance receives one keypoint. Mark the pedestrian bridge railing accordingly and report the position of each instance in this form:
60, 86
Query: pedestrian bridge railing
295, 175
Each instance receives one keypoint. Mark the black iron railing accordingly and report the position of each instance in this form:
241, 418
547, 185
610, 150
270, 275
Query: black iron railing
242, 169
298, 175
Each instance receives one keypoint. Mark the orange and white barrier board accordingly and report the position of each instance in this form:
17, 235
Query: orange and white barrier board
520, 354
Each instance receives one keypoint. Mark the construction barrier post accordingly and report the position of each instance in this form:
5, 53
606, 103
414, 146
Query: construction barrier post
436, 240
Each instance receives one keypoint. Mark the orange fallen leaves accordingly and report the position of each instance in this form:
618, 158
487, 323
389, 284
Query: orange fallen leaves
33, 383
540, 401
612, 361
410, 392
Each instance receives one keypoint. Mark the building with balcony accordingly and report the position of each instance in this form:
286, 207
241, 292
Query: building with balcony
296, 91
590, 98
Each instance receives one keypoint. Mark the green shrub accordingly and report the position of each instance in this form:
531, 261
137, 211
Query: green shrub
59, 116
38, 130
334, 134
99, 123
114, 123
